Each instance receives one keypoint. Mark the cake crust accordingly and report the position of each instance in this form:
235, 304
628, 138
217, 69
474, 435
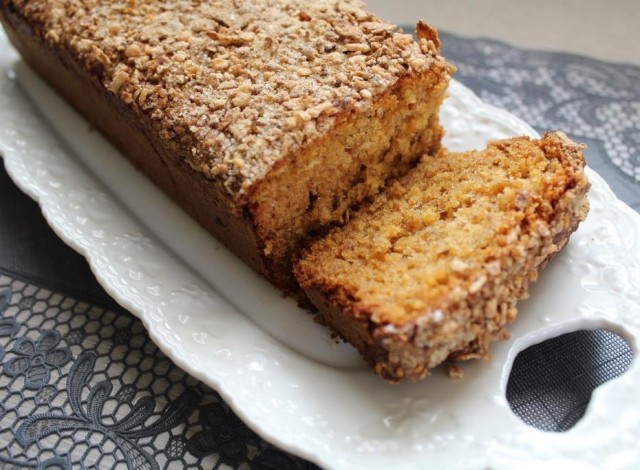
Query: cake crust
238, 84
414, 280
216, 101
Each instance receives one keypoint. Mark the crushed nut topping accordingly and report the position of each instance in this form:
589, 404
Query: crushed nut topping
238, 84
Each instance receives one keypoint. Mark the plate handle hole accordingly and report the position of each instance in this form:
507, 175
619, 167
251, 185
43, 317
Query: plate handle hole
551, 383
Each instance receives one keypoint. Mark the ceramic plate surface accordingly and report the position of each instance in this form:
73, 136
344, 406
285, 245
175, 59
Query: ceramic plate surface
281, 372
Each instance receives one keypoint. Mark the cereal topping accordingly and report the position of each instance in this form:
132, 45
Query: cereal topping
237, 84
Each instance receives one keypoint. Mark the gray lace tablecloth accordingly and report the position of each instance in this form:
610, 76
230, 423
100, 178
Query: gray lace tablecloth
81, 384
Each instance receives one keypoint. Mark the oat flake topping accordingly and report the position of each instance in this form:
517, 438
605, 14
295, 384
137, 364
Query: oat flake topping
237, 83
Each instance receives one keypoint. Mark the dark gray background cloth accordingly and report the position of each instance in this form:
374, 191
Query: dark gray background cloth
594, 102
60, 333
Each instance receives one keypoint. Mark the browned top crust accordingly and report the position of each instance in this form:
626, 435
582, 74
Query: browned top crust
235, 84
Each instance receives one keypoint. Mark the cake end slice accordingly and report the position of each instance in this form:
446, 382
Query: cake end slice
433, 268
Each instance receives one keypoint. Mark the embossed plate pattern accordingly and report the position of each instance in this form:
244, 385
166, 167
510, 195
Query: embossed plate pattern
277, 369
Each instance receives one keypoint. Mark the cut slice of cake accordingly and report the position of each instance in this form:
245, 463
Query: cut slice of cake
263, 119
433, 267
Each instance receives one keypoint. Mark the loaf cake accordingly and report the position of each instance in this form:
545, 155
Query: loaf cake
433, 267
264, 119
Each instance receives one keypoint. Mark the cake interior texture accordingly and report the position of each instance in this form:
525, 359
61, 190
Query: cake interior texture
265, 120
319, 185
433, 268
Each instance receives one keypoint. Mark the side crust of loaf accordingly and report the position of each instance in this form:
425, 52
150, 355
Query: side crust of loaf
471, 305
208, 203
265, 218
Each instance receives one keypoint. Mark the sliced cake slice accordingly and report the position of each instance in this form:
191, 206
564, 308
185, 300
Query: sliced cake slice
433, 267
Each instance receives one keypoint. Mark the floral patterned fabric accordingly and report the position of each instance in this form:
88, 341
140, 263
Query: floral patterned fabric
81, 384
84, 386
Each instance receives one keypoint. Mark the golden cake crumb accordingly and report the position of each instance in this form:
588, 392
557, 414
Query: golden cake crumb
455, 372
